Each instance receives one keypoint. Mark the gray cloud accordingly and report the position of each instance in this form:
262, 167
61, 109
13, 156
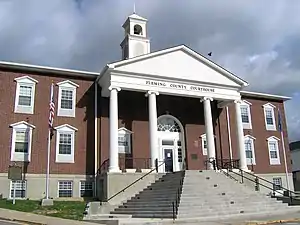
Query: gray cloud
257, 40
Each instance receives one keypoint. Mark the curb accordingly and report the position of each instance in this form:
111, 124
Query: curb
274, 221
21, 221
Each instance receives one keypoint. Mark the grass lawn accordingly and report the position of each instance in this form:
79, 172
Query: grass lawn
63, 209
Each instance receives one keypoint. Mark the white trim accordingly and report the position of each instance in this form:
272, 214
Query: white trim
19, 79
184, 49
68, 86
30, 83
28, 67
247, 104
174, 136
269, 106
251, 141
10, 189
203, 138
67, 83
124, 133
265, 95
21, 123
72, 188
66, 126
274, 161
18, 156
65, 158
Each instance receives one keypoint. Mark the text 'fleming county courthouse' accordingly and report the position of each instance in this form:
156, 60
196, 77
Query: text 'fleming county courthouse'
170, 104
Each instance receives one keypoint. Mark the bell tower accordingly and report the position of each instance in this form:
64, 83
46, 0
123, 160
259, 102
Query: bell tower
135, 42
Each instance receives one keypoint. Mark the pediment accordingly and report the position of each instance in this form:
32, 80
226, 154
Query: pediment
179, 63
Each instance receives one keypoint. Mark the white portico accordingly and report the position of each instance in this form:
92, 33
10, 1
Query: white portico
177, 71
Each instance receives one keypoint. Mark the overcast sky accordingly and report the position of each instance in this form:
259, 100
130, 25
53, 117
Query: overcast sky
257, 40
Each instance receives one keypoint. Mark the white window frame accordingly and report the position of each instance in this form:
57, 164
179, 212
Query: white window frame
28, 82
247, 104
20, 156
271, 107
273, 161
203, 140
69, 86
250, 139
72, 188
80, 188
124, 133
11, 188
65, 129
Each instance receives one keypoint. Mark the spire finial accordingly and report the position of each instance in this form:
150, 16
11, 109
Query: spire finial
134, 7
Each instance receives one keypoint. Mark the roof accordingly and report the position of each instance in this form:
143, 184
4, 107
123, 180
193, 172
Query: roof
265, 95
172, 49
43, 69
135, 16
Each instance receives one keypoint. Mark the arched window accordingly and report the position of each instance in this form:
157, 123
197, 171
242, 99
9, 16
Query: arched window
167, 123
138, 30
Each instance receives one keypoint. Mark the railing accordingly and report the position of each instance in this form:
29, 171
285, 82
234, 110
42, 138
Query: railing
157, 165
104, 167
134, 163
127, 163
175, 203
222, 163
258, 181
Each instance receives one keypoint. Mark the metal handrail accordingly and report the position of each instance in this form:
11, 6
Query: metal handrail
289, 191
175, 204
256, 179
128, 186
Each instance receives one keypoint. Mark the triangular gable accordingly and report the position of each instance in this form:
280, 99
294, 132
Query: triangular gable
180, 63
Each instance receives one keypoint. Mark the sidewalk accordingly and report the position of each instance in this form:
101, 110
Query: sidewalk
34, 219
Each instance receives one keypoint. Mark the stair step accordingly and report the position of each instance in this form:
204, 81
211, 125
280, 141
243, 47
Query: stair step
199, 197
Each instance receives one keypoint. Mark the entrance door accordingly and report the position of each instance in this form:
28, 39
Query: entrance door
168, 152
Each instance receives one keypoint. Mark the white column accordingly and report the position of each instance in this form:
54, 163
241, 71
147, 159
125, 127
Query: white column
153, 127
209, 130
113, 130
240, 136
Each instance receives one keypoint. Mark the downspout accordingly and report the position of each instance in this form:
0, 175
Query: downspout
96, 137
229, 133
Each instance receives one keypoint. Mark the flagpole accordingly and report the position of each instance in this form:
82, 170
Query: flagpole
285, 163
48, 165
47, 201
284, 153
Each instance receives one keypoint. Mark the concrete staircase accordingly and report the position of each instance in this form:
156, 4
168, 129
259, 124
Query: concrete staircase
211, 194
156, 200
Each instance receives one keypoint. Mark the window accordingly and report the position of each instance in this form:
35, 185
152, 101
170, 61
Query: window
249, 149
204, 144
179, 151
269, 116
65, 141
86, 188
246, 115
21, 141
277, 183
273, 150
20, 188
25, 92
66, 98
124, 140
65, 189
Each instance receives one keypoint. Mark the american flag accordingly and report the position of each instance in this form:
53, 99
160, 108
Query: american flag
51, 110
